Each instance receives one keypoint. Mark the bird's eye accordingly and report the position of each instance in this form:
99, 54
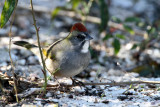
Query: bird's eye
81, 37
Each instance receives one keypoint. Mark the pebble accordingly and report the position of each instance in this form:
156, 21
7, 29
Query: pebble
23, 22
98, 67
33, 77
23, 33
29, 105
70, 96
64, 95
55, 100
37, 70
57, 92
5, 54
21, 62
79, 89
51, 105
5, 68
68, 20
3, 64
115, 72
4, 32
92, 78
93, 73
32, 60
25, 52
123, 3
48, 94
59, 96
58, 24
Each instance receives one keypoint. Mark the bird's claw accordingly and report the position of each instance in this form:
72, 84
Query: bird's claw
76, 82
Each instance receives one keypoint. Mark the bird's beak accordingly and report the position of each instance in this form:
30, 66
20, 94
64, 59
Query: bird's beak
88, 37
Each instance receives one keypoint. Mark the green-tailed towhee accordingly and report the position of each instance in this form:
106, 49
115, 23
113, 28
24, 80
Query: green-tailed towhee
66, 57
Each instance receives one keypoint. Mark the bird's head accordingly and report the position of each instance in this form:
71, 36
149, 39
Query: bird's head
79, 37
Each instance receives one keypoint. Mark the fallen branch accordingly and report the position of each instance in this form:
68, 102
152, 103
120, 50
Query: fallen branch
114, 83
29, 92
124, 83
91, 19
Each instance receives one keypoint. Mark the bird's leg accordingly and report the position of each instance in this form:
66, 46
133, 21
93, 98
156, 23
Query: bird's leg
76, 82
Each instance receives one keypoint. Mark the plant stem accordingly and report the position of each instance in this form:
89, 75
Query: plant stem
12, 65
39, 46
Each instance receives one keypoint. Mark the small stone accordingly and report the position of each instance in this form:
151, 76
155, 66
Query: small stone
25, 53
55, 100
98, 67
51, 105
36, 70
15, 51
122, 98
23, 22
58, 92
23, 33
70, 96
33, 77
32, 60
93, 74
68, 20
3, 64
29, 105
59, 96
58, 24
21, 62
3, 32
48, 94
115, 72
105, 101
92, 78
64, 94
5, 54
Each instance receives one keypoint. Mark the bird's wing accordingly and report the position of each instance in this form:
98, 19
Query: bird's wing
53, 44
48, 51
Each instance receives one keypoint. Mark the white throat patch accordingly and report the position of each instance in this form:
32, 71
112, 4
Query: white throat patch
85, 47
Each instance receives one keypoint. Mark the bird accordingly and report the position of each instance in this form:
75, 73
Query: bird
68, 56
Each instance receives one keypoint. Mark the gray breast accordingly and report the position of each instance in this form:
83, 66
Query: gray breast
73, 64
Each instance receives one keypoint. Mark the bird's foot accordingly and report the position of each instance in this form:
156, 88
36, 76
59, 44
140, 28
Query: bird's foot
76, 82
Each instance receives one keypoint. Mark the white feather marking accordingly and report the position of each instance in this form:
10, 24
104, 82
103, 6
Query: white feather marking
85, 47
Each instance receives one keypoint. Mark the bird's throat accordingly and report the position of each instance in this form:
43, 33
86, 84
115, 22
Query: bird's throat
85, 47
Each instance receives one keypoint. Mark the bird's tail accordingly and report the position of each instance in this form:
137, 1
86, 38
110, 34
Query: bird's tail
24, 44
31, 47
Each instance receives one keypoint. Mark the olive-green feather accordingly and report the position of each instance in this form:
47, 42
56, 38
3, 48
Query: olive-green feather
24, 44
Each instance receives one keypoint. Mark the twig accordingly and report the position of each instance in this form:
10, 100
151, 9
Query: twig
114, 83
39, 46
91, 19
12, 65
28, 92
124, 83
